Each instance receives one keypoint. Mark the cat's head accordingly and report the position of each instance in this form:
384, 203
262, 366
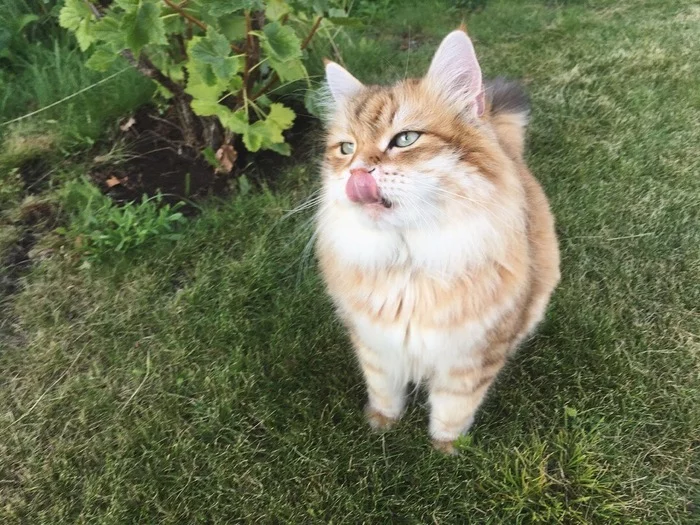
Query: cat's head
406, 155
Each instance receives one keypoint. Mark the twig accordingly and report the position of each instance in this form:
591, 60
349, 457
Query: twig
273, 78
312, 32
148, 68
186, 15
94, 9
336, 51
246, 62
181, 44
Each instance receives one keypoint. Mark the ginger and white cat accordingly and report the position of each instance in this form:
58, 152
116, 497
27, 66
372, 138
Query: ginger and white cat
436, 243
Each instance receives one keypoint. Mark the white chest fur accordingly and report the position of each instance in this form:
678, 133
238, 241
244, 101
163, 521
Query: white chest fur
414, 349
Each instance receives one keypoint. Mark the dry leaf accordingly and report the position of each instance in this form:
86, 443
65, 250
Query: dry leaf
226, 156
112, 181
127, 125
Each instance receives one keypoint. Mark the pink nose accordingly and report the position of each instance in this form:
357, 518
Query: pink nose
362, 187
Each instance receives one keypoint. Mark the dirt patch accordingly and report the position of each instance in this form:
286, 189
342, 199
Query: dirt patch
35, 217
155, 159
35, 175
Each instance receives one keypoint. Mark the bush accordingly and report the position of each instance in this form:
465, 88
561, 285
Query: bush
217, 61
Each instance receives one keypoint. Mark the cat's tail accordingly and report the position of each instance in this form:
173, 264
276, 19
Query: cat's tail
509, 108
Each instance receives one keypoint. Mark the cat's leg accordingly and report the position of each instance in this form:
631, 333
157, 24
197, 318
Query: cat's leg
386, 386
456, 393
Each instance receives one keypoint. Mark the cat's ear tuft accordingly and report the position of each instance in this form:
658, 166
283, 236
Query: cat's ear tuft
341, 83
456, 72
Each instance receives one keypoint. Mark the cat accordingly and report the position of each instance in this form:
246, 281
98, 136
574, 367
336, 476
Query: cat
436, 244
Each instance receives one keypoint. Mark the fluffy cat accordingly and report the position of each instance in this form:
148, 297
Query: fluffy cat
435, 242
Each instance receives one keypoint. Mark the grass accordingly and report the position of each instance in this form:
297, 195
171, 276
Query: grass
41, 65
210, 381
48, 74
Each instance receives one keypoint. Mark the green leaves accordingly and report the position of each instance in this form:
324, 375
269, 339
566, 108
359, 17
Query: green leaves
211, 71
226, 7
261, 134
137, 26
101, 59
281, 116
199, 88
280, 42
236, 121
276, 9
77, 16
232, 27
282, 49
142, 26
210, 56
267, 134
193, 46
99, 228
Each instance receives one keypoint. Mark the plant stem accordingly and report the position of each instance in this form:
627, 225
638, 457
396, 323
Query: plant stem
311, 34
94, 9
186, 15
246, 62
182, 100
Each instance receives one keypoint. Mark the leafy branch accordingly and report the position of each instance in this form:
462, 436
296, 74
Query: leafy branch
217, 60
186, 15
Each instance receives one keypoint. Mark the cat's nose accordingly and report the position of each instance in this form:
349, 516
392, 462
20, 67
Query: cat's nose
361, 186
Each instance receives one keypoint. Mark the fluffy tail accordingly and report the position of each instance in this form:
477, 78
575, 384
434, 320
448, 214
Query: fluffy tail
509, 107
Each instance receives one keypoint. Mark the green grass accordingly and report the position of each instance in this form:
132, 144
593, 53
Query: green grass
40, 64
46, 75
210, 381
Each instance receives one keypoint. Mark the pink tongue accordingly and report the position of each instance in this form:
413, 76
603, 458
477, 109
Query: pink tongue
362, 187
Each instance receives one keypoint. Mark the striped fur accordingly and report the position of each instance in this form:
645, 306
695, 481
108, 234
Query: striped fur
441, 287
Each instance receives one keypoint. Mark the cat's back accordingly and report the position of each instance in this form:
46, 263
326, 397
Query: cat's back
508, 115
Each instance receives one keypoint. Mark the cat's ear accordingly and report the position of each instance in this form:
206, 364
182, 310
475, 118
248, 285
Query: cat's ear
341, 83
456, 72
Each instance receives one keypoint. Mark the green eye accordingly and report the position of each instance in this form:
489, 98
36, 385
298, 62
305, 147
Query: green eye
347, 148
405, 138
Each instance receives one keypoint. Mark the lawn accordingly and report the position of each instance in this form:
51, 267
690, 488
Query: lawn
208, 381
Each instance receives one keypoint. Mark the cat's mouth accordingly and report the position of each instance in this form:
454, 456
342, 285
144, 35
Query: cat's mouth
361, 187
382, 203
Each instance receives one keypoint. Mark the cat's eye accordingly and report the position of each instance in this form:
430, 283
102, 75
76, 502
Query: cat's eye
405, 138
347, 148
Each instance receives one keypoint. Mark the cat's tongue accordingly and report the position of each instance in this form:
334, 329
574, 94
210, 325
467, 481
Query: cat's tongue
362, 187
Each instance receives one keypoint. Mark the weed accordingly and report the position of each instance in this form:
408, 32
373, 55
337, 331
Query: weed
99, 228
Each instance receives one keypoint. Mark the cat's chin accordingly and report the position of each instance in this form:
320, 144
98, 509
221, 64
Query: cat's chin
377, 210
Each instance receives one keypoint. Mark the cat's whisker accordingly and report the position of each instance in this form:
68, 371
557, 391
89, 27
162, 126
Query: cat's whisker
306, 256
466, 201
424, 202
312, 201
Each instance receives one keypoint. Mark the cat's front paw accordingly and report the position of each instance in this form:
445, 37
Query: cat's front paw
378, 421
446, 447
